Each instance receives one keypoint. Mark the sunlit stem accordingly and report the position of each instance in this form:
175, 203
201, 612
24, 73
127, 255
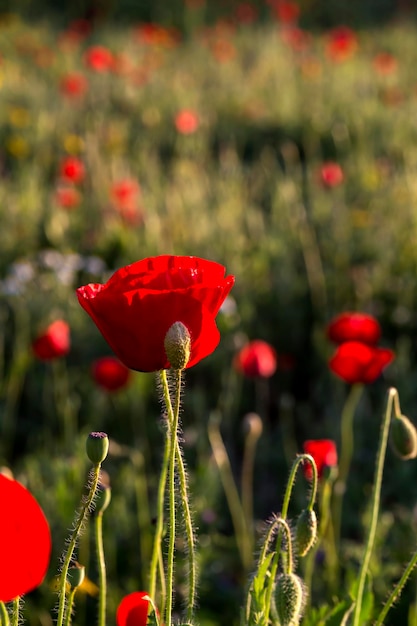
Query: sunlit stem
98, 531
15, 613
82, 516
392, 400
4, 615
70, 604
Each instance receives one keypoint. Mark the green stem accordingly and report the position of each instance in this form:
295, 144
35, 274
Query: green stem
346, 453
98, 528
248, 464
157, 543
397, 590
174, 413
71, 597
82, 516
4, 615
15, 614
232, 495
376, 496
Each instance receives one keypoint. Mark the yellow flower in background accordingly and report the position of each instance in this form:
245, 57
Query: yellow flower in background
17, 146
73, 144
18, 116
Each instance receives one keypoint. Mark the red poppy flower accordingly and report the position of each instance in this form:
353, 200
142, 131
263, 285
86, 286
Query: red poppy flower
323, 451
138, 305
110, 374
341, 44
25, 541
356, 362
133, 610
354, 327
99, 59
186, 122
73, 85
53, 343
67, 196
125, 192
257, 359
385, 63
331, 174
72, 170
286, 12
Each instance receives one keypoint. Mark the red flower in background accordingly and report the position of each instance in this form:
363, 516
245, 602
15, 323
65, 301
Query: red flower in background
73, 85
356, 362
323, 451
186, 121
156, 35
133, 609
125, 193
246, 13
257, 359
137, 306
341, 43
53, 343
25, 541
98, 59
285, 12
67, 196
110, 374
354, 327
385, 63
72, 170
331, 174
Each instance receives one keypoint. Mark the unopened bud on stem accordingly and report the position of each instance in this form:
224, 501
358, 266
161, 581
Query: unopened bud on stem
97, 446
177, 345
404, 437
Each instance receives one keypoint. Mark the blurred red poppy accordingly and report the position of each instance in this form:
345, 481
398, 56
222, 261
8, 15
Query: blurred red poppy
341, 43
98, 59
25, 541
285, 12
257, 359
72, 170
323, 451
133, 609
137, 306
331, 174
156, 35
125, 192
385, 63
73, 85
186, 121
356, 362
53, 343
67, 196
110, 374
354, 327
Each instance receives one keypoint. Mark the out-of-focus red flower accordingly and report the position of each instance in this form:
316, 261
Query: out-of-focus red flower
72, 170
67, 196
285, 12
138, 305
98, 59
356, 362
133, 609
186, 121
246, 13
222, 49
331, 174
125, 192
73, 85
323, 451
53, 343
385, 63
341, 43
354, 327
156, 35
257, 359
25, 541
297, 38
110, 374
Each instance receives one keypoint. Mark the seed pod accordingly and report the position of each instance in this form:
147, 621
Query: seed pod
305, 531
177, 345
97, 446
289, 602
404, 438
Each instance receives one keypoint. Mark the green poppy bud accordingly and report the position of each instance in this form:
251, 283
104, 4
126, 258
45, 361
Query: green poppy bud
305, 531
404, 438
97, 446
76, 575
177, 345
289, 599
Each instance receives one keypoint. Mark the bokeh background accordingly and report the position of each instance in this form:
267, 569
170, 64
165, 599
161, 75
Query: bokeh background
277, 138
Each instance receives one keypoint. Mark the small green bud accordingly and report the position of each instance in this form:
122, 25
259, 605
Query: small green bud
289, 599
76, 575
404, 438
97, 446
177, 345
305, 531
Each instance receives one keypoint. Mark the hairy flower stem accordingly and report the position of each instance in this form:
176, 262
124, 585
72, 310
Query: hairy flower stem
346, 453
4, 615
82, 516
98, 532
302, 458
70, 604
376, 496
15, 613
395, 593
